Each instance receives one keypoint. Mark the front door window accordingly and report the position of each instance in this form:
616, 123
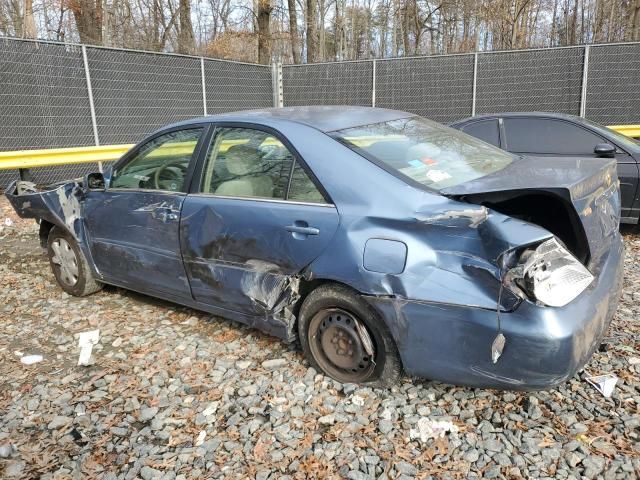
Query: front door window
161, 164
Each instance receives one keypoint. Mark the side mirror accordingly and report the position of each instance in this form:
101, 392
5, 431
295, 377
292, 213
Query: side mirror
95, 181
604, 150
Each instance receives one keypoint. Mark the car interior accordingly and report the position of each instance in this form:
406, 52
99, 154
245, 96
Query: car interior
255, 168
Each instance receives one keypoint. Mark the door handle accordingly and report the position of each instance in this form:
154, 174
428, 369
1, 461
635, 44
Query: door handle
303, 230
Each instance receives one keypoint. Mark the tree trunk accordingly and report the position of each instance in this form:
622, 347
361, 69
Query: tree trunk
264, 31
312, 31
186, 43
29, 22
88, 17
633, 22
573, 24
293, 31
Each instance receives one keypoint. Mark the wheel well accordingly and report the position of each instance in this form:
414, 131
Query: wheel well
45, 228
308, 286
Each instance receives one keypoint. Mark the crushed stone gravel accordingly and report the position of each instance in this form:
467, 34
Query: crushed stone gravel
172, 393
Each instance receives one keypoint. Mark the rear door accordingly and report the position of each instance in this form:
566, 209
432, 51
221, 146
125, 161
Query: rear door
133, 226
257, 218
540, 136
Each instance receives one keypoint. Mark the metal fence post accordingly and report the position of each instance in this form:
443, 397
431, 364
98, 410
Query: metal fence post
373, 85
204, 87
585, 77
475, 84
92, 107
278, 92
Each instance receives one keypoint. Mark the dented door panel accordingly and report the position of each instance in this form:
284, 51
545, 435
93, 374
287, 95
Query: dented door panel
134, 238
245, 254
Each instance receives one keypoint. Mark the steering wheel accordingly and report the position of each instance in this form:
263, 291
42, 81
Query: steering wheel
170, 172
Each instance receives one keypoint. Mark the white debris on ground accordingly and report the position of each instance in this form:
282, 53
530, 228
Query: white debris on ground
86, 341
31, 359
428, 429
173, 394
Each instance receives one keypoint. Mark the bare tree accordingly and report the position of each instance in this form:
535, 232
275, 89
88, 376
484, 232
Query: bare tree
312, 30
88, 17
293, 31
186, 43
264, 31
29, 22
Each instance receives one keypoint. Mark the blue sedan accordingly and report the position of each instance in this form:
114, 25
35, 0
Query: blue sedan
380, 240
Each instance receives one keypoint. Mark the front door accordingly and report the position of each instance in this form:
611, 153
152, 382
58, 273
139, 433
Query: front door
133, 226
257, 220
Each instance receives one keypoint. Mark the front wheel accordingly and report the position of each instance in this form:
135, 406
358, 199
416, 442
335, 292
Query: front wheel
69, 265
342, 336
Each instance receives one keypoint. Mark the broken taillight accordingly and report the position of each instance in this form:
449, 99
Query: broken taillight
549, 274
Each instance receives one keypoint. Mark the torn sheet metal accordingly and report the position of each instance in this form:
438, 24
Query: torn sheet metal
473, 217
61, 205
497, 346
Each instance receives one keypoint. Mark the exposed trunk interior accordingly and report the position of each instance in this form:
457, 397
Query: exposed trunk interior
545, 209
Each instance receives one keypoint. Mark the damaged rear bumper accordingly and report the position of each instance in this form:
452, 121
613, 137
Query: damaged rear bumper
545, 346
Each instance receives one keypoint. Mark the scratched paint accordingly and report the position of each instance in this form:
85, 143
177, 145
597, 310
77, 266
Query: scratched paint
235, 258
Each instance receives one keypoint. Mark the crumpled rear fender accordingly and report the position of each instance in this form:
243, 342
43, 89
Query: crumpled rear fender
452, 254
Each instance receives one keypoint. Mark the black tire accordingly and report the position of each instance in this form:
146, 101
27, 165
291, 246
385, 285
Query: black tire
327, 320
78, 281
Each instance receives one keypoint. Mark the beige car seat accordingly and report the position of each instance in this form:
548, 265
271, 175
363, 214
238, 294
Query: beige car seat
243, 162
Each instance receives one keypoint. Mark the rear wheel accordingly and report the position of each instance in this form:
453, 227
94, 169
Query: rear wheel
342, 336
69, 265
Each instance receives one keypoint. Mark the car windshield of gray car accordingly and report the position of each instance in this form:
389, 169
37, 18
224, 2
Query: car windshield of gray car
425, 151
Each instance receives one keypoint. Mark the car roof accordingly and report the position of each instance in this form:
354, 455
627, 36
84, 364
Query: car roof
323, 118
564, 116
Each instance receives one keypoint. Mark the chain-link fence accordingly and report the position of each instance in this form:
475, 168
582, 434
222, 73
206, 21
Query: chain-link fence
59, 95
601, 82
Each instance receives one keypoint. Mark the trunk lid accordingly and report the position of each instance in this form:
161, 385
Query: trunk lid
588, 187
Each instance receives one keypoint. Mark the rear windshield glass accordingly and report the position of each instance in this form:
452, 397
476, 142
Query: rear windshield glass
425, 151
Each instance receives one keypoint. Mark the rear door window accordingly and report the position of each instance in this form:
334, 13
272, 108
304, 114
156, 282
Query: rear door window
548, 136
486, 130
246, 162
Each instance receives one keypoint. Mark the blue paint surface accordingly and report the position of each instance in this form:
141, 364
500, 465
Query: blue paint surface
427, 262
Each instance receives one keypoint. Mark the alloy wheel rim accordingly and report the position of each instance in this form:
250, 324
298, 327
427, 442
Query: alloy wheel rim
65, 259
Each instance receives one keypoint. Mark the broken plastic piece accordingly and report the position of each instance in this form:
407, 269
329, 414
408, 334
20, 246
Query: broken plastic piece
428, 429
497, 346
605, 384
31, 359
86, 341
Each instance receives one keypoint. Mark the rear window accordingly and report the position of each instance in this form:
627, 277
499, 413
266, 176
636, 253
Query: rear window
425, 152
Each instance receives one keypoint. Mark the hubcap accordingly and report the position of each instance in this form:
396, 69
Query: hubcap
338, 346
65, 259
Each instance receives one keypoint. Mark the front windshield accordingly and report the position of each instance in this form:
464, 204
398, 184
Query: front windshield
622, 140
425, 151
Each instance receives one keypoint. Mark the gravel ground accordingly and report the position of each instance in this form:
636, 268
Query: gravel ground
174, 393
